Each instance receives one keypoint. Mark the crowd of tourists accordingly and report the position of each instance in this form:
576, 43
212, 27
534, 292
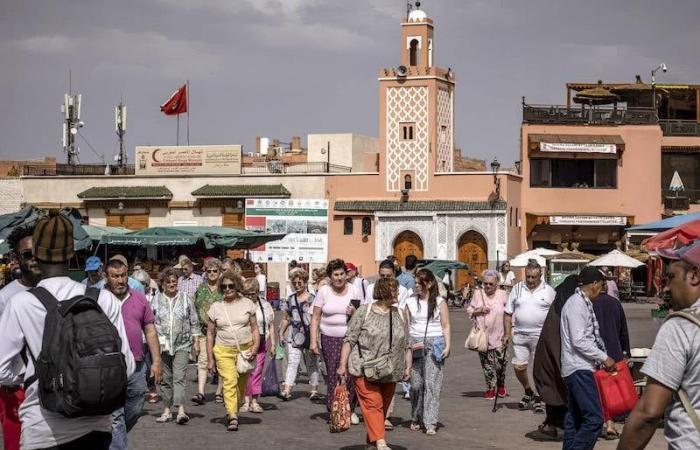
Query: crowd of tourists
127, 338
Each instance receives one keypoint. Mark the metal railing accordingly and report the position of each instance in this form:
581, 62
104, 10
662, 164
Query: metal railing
78, 170
680, 127
692, 194
563, 115
277, 167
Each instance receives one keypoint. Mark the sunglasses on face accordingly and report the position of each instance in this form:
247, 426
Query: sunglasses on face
212, 270
26, 254
228, 287
489, 284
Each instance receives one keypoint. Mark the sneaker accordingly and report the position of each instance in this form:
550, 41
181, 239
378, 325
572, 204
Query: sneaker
525, 402
502, 392
538, 406
490, 394
354, 419
244, 408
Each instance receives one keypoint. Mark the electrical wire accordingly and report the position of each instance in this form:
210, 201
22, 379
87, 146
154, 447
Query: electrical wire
102, 157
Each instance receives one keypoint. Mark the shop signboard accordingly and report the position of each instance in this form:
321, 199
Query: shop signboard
188, 160
304, 220
617, 221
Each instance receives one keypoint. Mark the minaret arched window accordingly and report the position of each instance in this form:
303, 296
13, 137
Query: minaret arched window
407, 182
366, 226
413, 53
347, 226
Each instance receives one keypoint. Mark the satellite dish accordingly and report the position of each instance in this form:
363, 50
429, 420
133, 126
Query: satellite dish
401, 71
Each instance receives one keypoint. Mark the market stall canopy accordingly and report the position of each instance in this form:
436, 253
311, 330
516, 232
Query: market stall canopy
616, 259
439, 266
665, 224
27, 217
537, 254
675, 237
598, 95
96, 231
211, 237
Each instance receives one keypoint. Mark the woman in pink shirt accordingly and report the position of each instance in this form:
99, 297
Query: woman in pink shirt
486, 309
332, 311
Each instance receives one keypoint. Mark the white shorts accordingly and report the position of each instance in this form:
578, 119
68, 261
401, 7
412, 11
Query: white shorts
524, 346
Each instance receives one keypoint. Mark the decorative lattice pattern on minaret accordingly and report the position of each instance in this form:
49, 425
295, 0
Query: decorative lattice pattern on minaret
445, 145
407, 104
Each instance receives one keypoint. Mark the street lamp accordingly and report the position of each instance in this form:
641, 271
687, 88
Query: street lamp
495, 167
664, 69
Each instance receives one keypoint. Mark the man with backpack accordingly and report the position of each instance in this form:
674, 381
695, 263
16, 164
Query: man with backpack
673, 367
66, 406
138, 321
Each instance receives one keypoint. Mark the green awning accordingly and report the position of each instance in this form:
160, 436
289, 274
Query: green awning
440, 266
241, 190
126, 192
27, 217
212, 237
97, 231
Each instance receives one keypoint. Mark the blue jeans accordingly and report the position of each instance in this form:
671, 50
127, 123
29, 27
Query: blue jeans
584, 419
124, 419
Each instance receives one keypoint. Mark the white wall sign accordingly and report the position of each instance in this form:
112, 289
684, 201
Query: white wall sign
578, 148
304, 220
618, 221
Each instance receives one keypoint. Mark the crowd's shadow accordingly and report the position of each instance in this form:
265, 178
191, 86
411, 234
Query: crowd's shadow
538, 436
473, 394
363, 447
242, 420
325, 416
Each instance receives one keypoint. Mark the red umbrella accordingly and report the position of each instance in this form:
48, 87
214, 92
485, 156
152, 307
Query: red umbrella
675, 237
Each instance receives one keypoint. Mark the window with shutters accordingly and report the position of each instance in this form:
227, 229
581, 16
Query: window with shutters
347, 226
366, 226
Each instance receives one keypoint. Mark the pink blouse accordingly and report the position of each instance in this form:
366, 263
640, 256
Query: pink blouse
494, 319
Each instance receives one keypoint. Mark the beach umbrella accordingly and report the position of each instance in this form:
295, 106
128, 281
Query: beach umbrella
616, 258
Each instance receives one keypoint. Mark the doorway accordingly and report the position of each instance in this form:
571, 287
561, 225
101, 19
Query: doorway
407, 243
471, 249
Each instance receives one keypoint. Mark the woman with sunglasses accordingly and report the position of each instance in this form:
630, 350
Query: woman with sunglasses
265, 317
430, 335
486, 310
332, 311
232, 329
178, 329
297, 310
207, 293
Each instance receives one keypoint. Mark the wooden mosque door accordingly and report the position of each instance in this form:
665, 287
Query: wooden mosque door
471, 249
407, 243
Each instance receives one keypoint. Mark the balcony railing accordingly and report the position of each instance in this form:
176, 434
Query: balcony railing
693, 195
277, 167
563, 115
680, 127
78, 170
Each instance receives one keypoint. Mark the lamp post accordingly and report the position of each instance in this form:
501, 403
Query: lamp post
495, 167
663, 68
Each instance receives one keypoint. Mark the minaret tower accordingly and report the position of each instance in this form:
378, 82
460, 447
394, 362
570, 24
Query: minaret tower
416, 113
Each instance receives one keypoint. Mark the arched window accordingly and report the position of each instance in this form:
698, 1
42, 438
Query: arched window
366, 226
407, 182
413, 54
347, 226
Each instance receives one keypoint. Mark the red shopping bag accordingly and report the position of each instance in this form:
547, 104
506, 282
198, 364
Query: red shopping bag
618, 395
340, 410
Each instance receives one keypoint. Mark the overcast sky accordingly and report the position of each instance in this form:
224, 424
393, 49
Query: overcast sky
280, 68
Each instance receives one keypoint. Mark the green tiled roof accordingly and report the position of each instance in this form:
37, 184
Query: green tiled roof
242, 190
418, 205
126, 192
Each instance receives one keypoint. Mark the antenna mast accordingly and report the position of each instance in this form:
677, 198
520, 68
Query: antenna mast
120, 127
71, 122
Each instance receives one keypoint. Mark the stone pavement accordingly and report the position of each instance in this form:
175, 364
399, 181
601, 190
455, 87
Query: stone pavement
466, 418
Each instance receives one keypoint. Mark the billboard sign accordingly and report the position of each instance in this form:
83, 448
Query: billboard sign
304, 220
188, 160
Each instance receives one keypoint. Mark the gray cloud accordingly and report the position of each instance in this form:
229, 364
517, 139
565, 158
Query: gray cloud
284, 67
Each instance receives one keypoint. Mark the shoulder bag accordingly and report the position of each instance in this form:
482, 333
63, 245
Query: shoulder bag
690, 314
243, 364
381, 367
301, 340
478, 340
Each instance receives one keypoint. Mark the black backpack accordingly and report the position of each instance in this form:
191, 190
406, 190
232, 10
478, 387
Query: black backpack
81, 370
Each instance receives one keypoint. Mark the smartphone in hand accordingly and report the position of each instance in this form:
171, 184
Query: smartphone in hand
355, 303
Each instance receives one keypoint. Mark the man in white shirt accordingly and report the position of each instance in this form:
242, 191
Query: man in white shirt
525, 312
386, 270
22, 324
673, 367
12, 393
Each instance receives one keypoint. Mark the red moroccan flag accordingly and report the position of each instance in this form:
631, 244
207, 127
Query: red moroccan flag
177, 103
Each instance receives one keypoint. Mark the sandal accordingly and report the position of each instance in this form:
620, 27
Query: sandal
198, 399
218, 398
388, 426
256, 408
152, 397
430, 431
165, 417
611, 435
415, 426
232, 424
182, 418
286, 396
314, 395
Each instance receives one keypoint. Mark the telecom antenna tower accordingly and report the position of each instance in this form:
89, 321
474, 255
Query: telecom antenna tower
71, 123
120, 127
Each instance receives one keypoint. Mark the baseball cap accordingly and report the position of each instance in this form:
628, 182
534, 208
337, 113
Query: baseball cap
350, 266
590, 274
690, 254
92, 264
120, 258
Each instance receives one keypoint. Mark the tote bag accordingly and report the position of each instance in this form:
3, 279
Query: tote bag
618, 395
270, 382
340, 410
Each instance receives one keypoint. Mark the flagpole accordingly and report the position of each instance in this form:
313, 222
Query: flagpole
188, 111
177, 133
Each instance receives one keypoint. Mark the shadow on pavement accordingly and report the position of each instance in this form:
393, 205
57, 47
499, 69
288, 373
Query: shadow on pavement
538, 436
322, 416
363, 447
473, 394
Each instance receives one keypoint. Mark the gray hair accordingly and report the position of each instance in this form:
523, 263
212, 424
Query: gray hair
142, 277
489, 273
532, 264
212, 263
